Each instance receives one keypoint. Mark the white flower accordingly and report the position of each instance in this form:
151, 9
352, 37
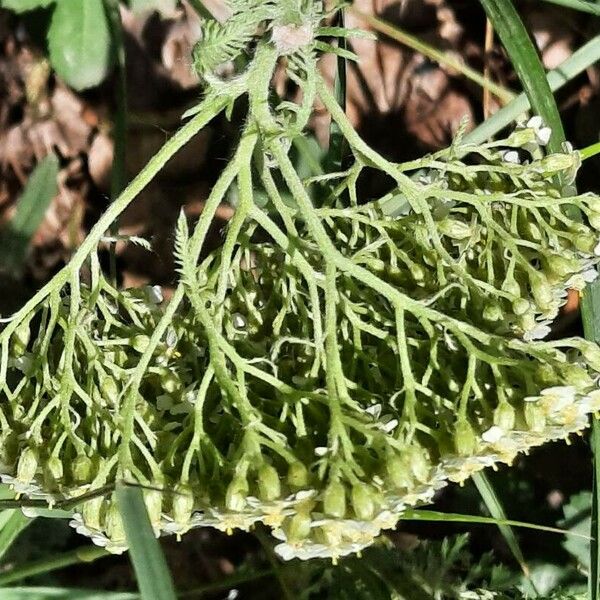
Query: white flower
542, 133
493, 434
539, 332
557, 398
511, 156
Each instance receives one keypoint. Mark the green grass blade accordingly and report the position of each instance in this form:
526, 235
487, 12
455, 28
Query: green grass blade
526, 62
590, 313
12, 523
576, 64
437, 516
495, 508
438, 56
85, 554
588, 6
31, 208
152, 573
54, 593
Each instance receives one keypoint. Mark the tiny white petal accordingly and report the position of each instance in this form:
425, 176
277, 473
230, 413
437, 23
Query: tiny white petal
511, 156
321, 451
493, 434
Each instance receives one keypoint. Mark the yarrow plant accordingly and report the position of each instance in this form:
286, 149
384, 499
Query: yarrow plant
338, 358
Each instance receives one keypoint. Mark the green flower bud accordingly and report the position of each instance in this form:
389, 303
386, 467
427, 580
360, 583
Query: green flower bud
27, 465
465, 440
541, 290
236, 494
334, 500
109, 389
417, 272
535, 417
594, 219
269, 486
297, 475
521, 137
585, 242
20, 338
594, 203
81, 467
419, 461
546, 375
562, 266
398, 472
520, 306
555, 163
504, 416
454, 229
298, 527
140, 343
512, 287
492, 312
591, 353
53, 469
577, 376
153, 500
362, 501
91, 513
113, 523
183, 505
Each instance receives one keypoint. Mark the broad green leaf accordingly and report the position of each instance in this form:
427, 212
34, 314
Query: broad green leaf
47, 593
151, 571
12, 522
80, 43
590, 6
162, 6
31, 208
24, 5
578, 516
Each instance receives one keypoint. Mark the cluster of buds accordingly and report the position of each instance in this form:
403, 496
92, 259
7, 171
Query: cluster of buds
319, 387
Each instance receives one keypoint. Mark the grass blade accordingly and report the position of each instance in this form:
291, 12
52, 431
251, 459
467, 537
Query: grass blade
526, 62
48, 593
495, 508
151, 571
582, 5
580, 60
436, 516
13, 522
31, 208
85, 554
438, 56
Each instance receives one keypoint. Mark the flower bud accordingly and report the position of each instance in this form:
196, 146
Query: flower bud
520, 306
398, 472
298, 527
237, 492
594, 219
541, 290
535, 417
334, 500
170, 382
562, 266
465, 440
91, 513
418, 459
183, 505
512, 287
576, 376
53, 469
269, 486
362, 501
504, 416
81, 467
492, 312
27, 465
521, 137
153, 500
113, 523
546, 375
140, 343
591, 353
109, 389
584, 242
417, 272
454, 229
20, 338
297, 475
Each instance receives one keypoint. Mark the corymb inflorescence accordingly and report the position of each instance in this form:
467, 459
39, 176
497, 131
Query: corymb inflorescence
339, 358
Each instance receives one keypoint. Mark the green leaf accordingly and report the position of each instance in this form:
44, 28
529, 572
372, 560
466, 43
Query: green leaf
12, 522
527, 64
80, 43
578, 516
161, 6
152, 573
31, 208
583, 5
24, 5
47, 593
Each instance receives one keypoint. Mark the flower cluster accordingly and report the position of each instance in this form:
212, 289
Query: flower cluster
335, 361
